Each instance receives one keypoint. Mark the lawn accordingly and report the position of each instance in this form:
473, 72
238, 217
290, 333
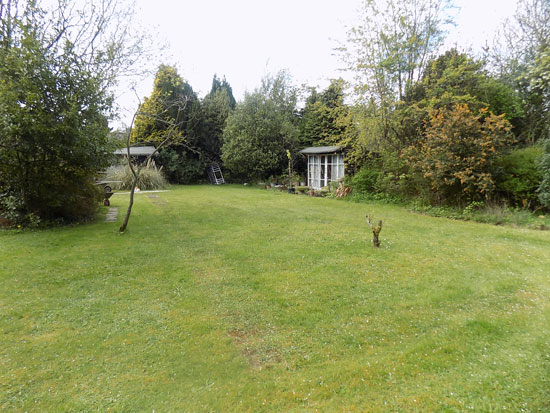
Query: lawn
234, 298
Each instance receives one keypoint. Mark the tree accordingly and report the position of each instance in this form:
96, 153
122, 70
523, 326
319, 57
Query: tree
164, 108
536, 86
252, 139
389, 50
520, 58
222, 86
170, 133
261, 129
216, 107
322, 115
453, 78
458, 150
56, 70
172, 104
327, 120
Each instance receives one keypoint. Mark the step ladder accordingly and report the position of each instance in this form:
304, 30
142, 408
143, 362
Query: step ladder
215, 174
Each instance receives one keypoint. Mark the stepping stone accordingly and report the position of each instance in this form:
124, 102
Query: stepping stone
111, 215
156, 200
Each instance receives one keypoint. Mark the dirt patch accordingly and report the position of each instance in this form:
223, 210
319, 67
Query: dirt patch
254, 349
527, 296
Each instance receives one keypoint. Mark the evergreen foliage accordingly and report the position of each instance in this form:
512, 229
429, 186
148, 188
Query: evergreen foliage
172, 101
54, 109
324, 116
199, 124
216, 107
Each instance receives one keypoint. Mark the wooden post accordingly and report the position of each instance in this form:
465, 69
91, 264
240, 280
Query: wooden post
375, 231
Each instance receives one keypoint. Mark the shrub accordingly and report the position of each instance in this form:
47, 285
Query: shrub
396, 178
519, 176
78, 201
54, 110
544, 168
458, 151
182, 166
149, 178
10, 212
366, 179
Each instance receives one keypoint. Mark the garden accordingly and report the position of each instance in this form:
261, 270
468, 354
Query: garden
254, 296
234, 298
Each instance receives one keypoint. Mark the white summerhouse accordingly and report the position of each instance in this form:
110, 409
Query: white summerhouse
325, 164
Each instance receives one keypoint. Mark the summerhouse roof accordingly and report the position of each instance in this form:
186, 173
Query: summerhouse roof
136, 151
314, 150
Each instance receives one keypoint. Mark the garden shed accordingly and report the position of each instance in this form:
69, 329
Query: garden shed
325, 164
138, 153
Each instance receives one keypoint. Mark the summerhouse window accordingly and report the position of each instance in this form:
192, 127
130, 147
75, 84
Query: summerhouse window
323, 169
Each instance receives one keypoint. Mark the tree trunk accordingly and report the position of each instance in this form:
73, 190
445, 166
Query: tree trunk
129, 211
132, 190
375, 232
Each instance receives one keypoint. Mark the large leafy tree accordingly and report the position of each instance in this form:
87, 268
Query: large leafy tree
388, 50
327, 120
450, 79
457, 152
322, 115
520, 58
261, 129
56, 70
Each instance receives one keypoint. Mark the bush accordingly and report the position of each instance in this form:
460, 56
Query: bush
10, 212
54, 111
149, 178
544, 168
77, 201
519, 177
458, 151
182, 166
397, 180
80, 202
366, 179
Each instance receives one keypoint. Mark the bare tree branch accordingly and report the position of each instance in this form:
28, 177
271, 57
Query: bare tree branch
170, 134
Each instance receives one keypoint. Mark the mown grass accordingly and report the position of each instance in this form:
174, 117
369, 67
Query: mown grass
238, 299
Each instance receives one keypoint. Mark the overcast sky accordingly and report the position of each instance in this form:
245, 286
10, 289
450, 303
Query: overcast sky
244, 40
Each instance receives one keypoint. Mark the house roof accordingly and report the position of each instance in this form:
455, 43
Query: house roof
321, 149
136, 151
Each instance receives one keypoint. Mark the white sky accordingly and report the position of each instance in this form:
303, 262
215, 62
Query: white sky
244, 40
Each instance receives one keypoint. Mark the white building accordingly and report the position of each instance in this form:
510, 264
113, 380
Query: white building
325, 164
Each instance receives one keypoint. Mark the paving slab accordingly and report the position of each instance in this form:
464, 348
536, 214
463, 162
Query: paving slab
111, 215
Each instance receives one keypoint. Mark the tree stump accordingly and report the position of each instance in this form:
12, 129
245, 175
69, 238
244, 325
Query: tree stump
375, 231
